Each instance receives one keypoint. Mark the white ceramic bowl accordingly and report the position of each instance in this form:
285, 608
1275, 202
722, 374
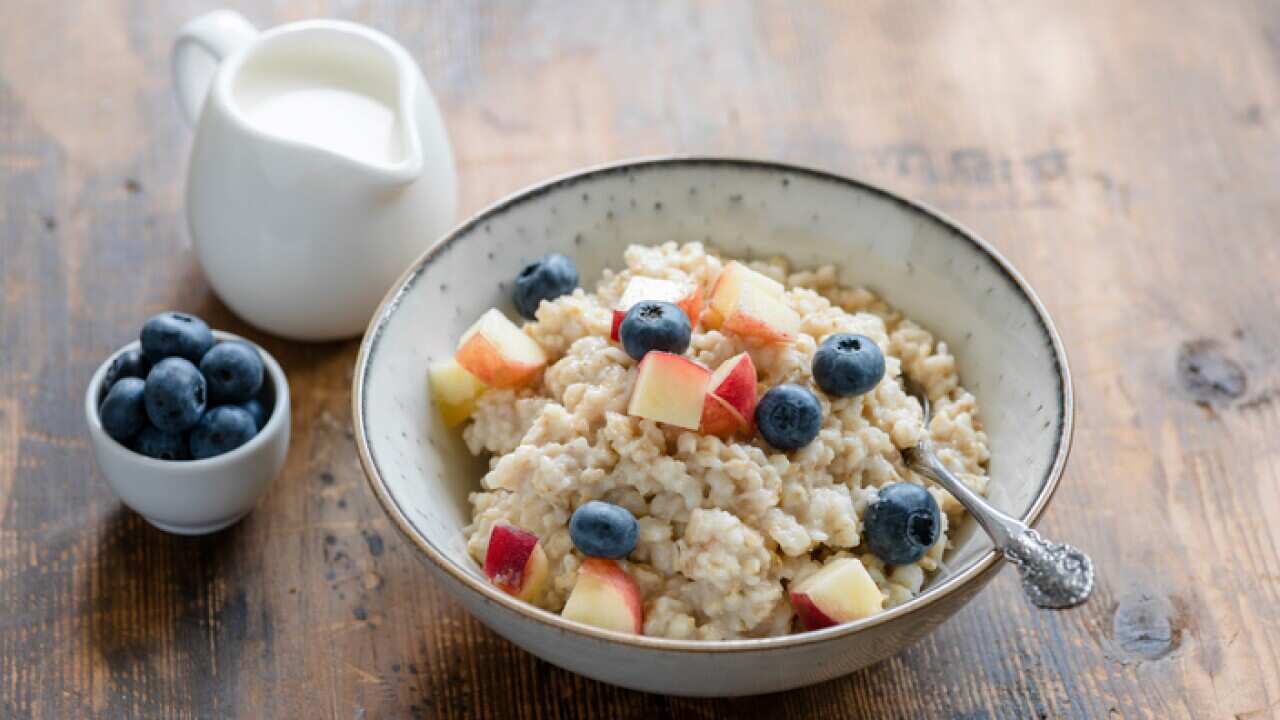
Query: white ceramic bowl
934, 271
194, 497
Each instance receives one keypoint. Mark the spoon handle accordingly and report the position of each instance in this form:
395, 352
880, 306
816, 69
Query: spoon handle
1000, 527
1053, 575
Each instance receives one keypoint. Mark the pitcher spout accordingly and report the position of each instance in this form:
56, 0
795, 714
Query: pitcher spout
382, 136
336, 89
407, 143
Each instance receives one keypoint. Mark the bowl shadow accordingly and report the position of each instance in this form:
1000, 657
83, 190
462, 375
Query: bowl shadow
156, 599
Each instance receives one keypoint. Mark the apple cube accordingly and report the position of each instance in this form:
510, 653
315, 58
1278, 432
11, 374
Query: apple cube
454, 390
842, 591
498, 352
605, 596
516, 562
687, 296
724, 294
669, 388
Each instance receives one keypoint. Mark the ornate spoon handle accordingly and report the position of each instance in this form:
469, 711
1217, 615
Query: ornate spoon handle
1054, 575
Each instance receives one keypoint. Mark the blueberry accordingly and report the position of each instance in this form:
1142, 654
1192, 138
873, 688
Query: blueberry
789, 416
902, 524
221, 430
546, 278
601, 529
175, 334
160, 445
176, 395
846, 365
122, 412
652, 325
130, 363
261, 413
233, 370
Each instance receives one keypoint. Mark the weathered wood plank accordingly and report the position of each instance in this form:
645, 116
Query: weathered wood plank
1124, 156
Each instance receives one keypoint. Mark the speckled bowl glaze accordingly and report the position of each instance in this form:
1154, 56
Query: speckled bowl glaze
930, 268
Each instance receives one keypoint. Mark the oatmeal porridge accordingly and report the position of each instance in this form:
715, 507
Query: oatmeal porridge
618, 498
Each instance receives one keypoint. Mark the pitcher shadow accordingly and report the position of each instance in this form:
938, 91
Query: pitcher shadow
298, 356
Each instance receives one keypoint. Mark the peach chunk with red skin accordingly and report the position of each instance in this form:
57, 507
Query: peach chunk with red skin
688, 296
498, 353
605, 596
728, 285
669, 388
730, 404
842, 591
750, 304
516, 562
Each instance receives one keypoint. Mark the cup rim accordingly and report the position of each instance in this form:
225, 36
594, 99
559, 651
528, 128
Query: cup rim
486, 591
274, 425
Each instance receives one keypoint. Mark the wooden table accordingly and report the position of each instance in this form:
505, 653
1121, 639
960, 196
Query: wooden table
1124, 155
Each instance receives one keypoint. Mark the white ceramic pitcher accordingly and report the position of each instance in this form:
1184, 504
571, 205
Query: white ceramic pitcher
320, 170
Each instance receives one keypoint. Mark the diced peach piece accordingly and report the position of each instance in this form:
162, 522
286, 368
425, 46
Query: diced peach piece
711, 319
731, 398
605, 596
692, 304
842, 591
720, 419
735, 383
724, 294
498, 352
669, 388
762, 316
454, 390
687, 296
516, 562
749, 303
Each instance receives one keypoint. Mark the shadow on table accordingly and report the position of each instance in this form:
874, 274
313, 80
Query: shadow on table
156, 605
496, 673
295, 356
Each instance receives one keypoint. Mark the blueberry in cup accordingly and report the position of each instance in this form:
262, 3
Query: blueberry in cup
183, 396
175, 334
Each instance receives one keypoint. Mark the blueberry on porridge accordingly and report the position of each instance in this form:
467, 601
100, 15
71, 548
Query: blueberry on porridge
747, 483
601, 529
655, 325
544, 279
902, 524
789, 416
846, 365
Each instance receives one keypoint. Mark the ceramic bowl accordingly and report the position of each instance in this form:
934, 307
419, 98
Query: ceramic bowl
930, 268
195, 497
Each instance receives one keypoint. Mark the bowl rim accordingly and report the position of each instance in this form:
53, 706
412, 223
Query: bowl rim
487, 591
280, 385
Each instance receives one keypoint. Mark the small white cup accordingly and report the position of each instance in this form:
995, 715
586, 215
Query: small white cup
194, 497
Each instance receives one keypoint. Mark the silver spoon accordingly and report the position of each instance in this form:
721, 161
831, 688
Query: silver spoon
1053, 575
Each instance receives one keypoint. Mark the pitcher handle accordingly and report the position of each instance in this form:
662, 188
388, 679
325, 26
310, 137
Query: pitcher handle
201, 45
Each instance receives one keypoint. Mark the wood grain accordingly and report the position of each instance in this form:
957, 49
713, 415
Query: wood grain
1125, 156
